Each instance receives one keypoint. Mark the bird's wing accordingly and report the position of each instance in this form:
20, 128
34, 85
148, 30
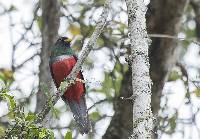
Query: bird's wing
81, 74
50, 67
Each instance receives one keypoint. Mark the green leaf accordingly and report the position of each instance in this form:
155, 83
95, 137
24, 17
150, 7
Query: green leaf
117, 84
30, 117
100, 41
74, 29
2, 131
42, 133
51, 136
172, 123
99, 2
107, 85
6, 76
95, 116
197, 92
56, 112
68, 135
190, 33
12, 8
2, 85
77, 46
64, 1
40, 22
118, 66
187, 95
86, 30
10, 115
11, 100
122, 27
34, 130
174, 75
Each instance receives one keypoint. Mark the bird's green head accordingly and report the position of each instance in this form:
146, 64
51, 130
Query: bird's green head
62, 47
63, 41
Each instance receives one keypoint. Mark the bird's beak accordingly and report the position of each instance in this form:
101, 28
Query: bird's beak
68, 40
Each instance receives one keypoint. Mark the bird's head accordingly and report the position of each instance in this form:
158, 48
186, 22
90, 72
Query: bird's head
63, 41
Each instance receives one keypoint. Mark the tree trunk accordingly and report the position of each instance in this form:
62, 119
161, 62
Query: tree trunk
163, 52
50, 25
121, 124
196, 6
141, 82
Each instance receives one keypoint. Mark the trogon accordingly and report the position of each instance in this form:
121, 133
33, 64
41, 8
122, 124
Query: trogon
62, 60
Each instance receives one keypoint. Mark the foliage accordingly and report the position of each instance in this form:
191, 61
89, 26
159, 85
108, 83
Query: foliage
68, 135
6, 76
174, 75
22, 125
95, 116
168, 124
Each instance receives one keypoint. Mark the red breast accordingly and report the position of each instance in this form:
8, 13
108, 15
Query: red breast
60, 70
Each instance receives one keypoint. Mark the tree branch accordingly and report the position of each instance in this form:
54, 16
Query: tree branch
49, 31
84, 53
98, 102
30, 58
193, 40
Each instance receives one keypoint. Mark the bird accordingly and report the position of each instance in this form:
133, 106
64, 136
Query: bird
61, 62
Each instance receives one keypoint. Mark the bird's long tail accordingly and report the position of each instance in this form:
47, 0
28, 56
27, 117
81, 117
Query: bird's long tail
80, 113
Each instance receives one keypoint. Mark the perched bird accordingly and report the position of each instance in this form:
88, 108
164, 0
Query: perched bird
62, 60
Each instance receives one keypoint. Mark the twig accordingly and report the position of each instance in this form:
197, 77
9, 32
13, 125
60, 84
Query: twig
98, 102
8, 134
174, 37
84, 53
22, 64
41, 115
86, 50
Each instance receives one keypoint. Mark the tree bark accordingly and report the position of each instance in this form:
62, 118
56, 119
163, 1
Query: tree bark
50, 26
141, 82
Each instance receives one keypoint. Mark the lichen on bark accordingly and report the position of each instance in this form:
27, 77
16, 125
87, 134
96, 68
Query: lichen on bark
141, 82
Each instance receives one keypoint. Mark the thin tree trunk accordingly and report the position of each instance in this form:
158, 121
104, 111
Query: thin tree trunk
121, 124
141, 82
50, 25
164, 52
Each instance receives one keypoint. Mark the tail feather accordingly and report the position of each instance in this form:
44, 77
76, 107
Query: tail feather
79, 110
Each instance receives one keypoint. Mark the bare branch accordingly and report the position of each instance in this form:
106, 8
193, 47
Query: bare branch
98, 102
193, 40
21, 65
86, 50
